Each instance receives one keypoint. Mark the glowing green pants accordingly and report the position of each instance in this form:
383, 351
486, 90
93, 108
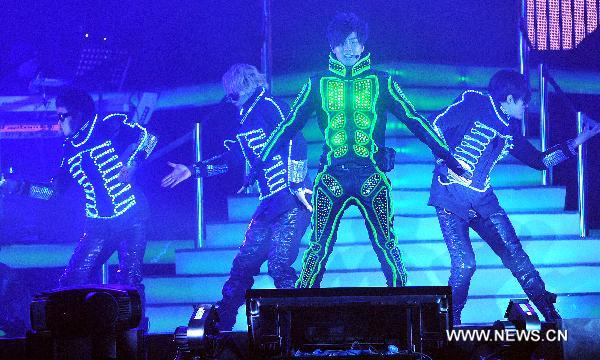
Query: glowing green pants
337, 188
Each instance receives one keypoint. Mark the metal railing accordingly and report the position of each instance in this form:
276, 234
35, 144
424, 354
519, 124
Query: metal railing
199, 241
581, 178
523, 54
104, 273
547, 178
545, 79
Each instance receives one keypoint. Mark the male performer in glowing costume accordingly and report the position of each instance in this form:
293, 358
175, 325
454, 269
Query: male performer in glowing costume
100, 154
351, 101
283, 215
481, 129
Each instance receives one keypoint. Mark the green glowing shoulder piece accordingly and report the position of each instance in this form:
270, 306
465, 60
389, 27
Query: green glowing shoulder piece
410, 112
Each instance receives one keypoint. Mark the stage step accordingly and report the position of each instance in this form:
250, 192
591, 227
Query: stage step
57, 255
421, 254
166, 318
414, 202
408, 149
491, 280
410, 228
418, 175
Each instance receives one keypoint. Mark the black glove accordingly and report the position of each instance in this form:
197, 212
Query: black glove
386, 159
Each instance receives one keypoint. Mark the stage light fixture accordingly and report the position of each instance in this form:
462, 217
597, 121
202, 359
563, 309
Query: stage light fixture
197, 339
520, 315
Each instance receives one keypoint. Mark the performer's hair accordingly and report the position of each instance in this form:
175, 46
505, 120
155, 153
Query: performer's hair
76, 101
509, 82
344, 24
242, 79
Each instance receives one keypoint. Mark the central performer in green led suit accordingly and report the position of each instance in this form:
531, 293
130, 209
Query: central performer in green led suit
351, 101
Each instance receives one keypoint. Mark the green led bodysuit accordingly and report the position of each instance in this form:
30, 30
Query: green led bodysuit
351, 106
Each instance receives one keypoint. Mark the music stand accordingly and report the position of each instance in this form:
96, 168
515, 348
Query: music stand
102, 68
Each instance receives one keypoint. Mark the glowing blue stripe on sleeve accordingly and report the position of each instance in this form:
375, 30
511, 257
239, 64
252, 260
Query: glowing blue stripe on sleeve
124, 116
277, 106
460, 101
147, 141
252, 106
141, 144
90, 126
228, 143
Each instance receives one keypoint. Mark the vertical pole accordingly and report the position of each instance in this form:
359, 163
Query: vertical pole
105, 273
581, 178
266, 53
523, 54
546, 174
266, 65
104, 268
199, 213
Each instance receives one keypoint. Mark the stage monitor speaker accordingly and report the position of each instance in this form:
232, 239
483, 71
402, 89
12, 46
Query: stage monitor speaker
348, 322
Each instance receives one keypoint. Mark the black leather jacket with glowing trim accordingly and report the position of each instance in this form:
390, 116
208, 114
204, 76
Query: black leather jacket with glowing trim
480, 135
278, 177
93, 157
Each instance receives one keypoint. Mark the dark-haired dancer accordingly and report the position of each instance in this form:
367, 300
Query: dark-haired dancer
351, 101
101, 155
481, 129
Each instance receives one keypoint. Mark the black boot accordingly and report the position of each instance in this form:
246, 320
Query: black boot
545, 304
536, 291
456, 317
227, 316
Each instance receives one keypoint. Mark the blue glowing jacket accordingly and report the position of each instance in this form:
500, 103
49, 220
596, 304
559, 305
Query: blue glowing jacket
277, 177
93, 157
479, 135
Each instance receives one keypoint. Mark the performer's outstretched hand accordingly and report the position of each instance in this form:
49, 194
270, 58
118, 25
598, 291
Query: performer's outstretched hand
590, 129
301, 195
180, 172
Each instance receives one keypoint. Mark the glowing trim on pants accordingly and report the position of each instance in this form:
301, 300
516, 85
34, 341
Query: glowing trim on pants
312, 265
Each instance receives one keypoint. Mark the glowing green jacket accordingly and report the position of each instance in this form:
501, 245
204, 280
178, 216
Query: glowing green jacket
351, 104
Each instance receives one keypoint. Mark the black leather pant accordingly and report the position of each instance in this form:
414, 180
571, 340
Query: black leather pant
336, 189
101, 239
497, 231
276, 240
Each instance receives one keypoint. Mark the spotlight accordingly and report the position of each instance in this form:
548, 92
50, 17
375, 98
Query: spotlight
83, 310
86, 322
198, 338
520, 315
